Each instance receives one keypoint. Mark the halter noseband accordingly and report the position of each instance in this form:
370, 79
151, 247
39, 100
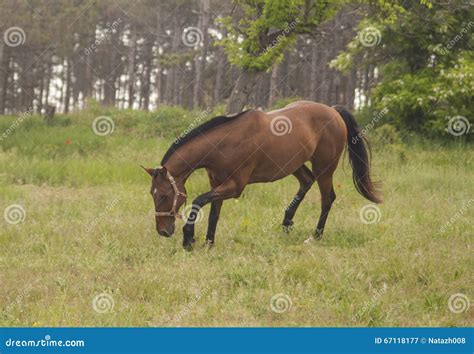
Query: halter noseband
177, 193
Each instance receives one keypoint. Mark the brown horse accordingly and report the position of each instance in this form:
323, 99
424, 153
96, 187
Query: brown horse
254, 147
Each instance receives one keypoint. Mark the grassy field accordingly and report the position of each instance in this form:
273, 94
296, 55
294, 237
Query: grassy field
85, 251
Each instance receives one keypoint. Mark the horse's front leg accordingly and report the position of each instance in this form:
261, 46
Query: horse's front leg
224, 191
188, 228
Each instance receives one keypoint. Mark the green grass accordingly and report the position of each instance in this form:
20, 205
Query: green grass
89, 229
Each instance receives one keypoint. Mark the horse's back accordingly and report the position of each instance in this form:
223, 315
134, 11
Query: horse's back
319, 119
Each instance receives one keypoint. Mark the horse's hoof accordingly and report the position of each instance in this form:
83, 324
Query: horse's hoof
309, 240
188, 246
287, 226
208, 244
318, 234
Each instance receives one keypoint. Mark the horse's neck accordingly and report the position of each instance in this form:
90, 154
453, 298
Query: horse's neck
184, 162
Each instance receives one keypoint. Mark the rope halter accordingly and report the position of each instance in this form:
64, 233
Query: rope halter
177, 193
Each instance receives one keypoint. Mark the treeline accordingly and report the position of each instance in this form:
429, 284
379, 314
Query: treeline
413, 60
144, 54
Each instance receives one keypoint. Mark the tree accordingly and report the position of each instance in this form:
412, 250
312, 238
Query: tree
426, 60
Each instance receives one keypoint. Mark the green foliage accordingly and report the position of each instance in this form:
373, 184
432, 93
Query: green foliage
425, 100
427, 65
282, 102
249, 43
387, 138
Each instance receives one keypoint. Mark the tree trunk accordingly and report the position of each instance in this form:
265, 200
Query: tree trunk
221, 60
315, 82
201, 59
273, 85
158, 77
131, 66
67, 95
148, 61
4, 75
243, 89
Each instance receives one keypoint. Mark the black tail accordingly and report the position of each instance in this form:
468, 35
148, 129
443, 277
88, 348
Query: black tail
359, 148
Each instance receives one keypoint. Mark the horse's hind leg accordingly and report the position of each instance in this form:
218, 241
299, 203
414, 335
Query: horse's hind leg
306, 179
328, 196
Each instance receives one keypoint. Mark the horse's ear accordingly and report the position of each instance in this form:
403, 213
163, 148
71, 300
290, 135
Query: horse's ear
150, 171
163, 170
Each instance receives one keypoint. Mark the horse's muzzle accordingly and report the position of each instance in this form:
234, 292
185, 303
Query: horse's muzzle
166, 233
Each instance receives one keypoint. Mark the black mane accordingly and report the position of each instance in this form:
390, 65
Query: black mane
212, 123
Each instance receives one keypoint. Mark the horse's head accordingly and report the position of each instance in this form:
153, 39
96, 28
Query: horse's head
168, 198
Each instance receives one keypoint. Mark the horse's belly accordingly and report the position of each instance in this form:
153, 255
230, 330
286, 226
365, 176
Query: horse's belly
279, 161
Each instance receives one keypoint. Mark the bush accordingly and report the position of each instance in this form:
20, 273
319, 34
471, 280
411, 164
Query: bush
425, 101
